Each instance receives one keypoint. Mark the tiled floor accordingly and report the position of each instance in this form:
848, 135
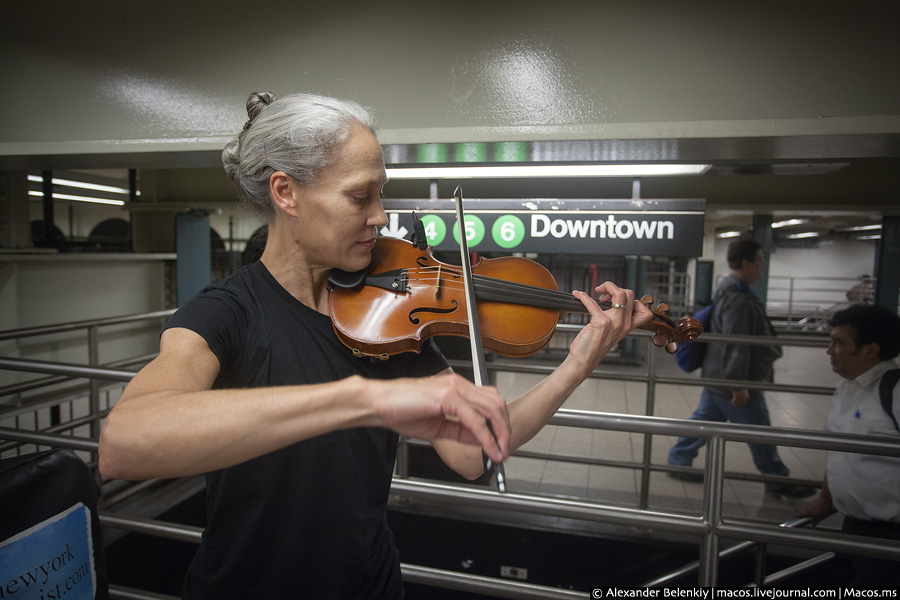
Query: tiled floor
745, 499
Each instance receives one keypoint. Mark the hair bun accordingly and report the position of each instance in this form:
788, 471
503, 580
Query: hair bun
256, 102
231, 159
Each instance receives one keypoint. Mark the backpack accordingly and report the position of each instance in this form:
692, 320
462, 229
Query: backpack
689, 355
886, 391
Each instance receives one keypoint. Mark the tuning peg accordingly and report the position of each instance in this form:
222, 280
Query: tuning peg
647, 301
659, 341
663, 309
671, 347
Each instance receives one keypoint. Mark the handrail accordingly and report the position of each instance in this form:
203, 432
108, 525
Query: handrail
11, 334
33, 384
120, 592
694, 566
484, 498
59, 368
67, 426
48, 439
557, 507
789, 572
731, 432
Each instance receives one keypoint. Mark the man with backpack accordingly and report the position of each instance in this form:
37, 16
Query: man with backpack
865, 488
737, 310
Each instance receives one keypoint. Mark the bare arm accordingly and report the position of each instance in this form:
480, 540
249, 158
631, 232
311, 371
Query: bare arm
169, 422
530, 412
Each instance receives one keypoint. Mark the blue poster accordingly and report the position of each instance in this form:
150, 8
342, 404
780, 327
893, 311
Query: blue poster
52, 560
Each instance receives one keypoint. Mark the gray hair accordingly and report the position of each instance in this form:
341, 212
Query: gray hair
300, 134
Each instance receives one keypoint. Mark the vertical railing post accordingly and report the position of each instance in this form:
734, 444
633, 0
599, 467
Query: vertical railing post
759, 575
94, 399
712, 511
790, 314
403, 458
649, 409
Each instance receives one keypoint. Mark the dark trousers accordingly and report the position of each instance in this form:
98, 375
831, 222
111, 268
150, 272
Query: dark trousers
716, 406
873, 572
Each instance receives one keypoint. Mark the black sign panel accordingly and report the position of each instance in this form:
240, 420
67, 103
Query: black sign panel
643, 227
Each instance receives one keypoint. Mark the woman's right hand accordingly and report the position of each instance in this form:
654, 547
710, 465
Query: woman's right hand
446, 406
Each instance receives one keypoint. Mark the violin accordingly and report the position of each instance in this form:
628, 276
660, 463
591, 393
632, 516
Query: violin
406, 296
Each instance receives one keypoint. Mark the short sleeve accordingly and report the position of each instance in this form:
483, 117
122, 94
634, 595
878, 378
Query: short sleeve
217, 317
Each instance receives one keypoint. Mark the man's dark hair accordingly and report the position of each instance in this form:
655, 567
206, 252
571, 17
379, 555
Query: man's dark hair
742, 250
871, 323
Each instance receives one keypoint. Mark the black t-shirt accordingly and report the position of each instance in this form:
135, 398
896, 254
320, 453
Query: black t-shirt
306, 521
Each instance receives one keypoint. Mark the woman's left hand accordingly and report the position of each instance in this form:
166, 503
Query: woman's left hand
606, 327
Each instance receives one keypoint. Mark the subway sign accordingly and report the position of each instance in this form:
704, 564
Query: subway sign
616, 227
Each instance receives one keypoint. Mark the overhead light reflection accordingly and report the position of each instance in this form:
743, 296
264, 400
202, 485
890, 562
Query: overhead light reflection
537, 171
788, 223
84, 185
861, 227
79, 198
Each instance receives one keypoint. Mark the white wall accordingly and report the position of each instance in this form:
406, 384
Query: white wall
42, 290
821, 275
832, 258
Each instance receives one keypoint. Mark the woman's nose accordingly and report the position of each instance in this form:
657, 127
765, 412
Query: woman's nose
377, 216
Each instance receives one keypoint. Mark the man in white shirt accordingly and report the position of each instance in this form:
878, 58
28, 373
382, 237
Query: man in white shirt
865, 488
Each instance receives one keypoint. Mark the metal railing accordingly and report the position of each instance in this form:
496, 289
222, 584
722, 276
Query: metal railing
805, 303
59, 372
711, 525
650, 376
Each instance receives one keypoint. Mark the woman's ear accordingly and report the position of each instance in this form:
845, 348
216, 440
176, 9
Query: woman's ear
285, 192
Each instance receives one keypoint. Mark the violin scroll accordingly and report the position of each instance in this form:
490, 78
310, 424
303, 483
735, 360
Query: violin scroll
668, 334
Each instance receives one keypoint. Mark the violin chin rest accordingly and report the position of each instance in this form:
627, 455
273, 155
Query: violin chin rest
346, 279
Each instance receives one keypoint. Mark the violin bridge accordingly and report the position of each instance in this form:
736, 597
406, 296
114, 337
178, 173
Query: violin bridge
437, 287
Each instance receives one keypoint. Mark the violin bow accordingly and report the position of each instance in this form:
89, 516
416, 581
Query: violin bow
478, 366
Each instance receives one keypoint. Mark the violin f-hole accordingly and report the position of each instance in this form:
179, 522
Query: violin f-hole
432, 309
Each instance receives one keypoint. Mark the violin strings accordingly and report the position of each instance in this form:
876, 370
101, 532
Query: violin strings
501, 290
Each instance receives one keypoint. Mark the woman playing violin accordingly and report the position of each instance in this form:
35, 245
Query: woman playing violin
297, 437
